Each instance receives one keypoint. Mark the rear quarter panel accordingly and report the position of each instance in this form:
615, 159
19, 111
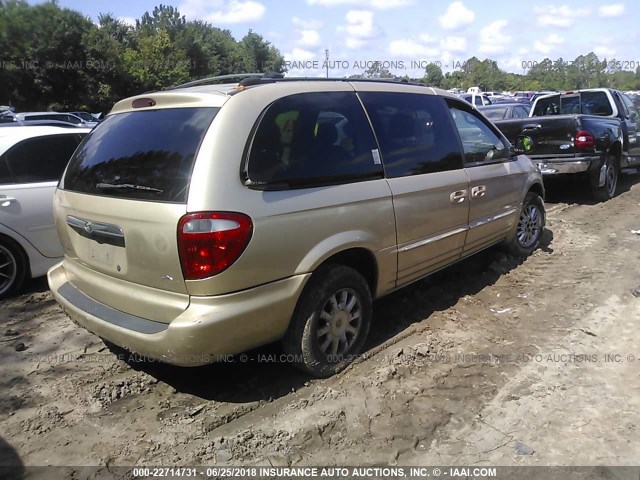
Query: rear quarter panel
294, 230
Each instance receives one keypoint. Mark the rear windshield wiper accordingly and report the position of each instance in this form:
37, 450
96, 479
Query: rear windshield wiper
127, 186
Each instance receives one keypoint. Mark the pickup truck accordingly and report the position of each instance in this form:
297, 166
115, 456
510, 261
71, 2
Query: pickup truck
593, 132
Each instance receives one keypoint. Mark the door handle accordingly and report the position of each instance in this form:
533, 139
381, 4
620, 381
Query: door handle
478, 191
6, 201
459, 196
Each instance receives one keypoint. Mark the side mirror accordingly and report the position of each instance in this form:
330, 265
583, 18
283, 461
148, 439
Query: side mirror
524, 145
497, 154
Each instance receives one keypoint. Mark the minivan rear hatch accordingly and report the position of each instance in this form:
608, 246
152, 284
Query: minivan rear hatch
119, 203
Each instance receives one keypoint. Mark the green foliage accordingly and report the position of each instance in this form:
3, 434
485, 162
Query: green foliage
377, 70
586, 71
42, 50
56, 57
433, 75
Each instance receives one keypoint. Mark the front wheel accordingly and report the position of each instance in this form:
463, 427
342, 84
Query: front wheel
528, 233
608, 190
331, 321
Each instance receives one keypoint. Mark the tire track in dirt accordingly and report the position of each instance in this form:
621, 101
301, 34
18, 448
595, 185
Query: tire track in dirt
432, 365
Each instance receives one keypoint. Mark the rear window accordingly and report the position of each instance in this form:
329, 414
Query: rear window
494, 113
590, 103
144, 155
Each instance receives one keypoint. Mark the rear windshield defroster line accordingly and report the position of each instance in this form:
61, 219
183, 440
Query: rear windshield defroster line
152, 149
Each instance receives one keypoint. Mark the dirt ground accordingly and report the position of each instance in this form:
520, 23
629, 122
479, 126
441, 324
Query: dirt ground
492, 362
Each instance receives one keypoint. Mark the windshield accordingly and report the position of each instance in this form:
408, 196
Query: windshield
145, 155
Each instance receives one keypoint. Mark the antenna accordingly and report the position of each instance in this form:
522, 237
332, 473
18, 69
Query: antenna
326, 60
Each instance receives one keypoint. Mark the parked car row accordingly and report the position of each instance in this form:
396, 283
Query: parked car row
593, 133
59, 119
479, 99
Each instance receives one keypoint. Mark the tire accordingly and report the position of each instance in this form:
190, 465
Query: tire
608, 190
13, 267
319, 339
528, 231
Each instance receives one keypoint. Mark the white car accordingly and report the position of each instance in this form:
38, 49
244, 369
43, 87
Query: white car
32, 159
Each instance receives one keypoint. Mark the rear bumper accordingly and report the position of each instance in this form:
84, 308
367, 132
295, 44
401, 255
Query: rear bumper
559, 168
590, 165
209, 330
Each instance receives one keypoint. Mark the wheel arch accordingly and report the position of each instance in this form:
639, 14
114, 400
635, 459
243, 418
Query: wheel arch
537, 188
616, 150
355, 249
361, 260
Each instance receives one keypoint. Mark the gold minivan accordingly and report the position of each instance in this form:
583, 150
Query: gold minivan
205, 220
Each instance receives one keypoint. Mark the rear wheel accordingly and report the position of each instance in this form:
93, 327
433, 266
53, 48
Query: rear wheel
608, 190
331, 321
13, 267
528, 233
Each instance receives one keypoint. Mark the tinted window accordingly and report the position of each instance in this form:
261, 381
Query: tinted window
497, 113
312, 139
5, 176
41, 159
557, 105
414, 131
154, 150
479, 141
592, 103
518, 112
595, 103
631, 108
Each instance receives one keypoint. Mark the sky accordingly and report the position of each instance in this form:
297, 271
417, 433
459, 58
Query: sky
405, 35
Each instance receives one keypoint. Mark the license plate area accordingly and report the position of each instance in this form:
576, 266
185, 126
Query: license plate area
108, 258
99, 245
103, 254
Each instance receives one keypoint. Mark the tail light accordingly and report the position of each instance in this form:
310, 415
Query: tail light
210, 242
584, 140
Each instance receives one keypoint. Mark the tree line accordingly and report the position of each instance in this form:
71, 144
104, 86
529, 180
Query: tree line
56, 58
585, 71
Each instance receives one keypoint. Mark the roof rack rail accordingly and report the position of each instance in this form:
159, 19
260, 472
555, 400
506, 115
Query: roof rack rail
205, 81
345, 79
271, 77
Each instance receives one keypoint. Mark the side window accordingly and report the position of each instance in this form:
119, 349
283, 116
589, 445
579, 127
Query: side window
633, 111
414, 132
518, 112
479, 141
547, 106
312, 139
41, 159
596, 103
